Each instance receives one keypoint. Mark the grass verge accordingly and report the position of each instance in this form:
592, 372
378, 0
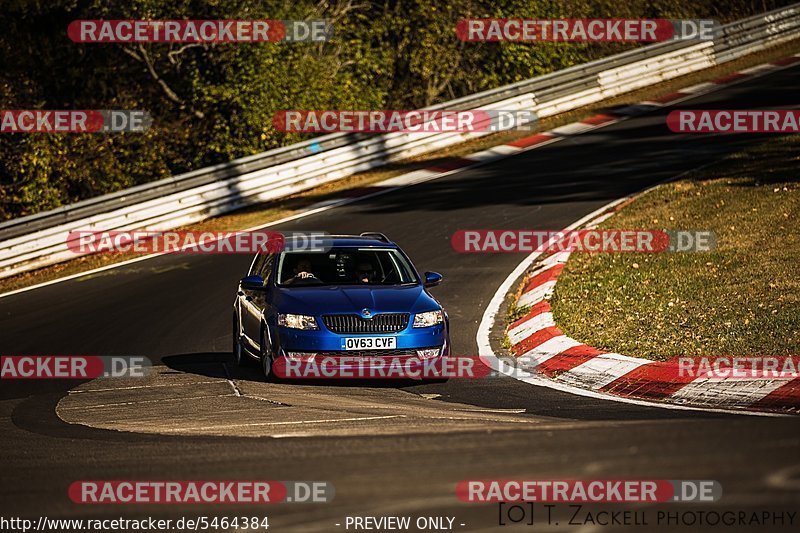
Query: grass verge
740, 299
271, 211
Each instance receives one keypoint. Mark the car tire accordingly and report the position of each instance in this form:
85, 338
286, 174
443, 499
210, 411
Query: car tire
239, 356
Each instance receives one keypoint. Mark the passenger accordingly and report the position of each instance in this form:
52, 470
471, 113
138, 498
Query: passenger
365, 273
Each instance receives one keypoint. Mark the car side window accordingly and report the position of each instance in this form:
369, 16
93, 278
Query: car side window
255, 269
265, 268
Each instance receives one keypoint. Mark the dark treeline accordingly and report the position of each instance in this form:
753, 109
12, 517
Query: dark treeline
213, 103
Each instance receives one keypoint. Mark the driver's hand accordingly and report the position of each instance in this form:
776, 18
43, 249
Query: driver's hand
305, 275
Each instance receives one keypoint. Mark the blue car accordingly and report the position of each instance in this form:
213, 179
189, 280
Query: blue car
359, 299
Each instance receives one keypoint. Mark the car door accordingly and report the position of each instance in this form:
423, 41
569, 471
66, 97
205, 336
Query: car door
254, 301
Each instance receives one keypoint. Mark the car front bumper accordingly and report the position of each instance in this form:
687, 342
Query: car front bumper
322, 340
320, 353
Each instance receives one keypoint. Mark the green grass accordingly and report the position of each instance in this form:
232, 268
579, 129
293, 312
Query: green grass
515, 313
742, 298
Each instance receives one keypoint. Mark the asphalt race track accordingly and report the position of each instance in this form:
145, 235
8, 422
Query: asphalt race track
388, 448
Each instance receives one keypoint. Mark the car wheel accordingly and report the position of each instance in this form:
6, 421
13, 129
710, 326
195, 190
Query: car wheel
239, 357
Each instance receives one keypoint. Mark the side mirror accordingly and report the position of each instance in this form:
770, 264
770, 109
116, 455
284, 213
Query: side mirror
252, 283
432, 279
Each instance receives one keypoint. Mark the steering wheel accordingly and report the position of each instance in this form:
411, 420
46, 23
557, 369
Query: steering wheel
307, 279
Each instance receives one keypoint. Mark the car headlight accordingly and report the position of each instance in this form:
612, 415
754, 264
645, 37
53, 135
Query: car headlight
297, 321
431, 318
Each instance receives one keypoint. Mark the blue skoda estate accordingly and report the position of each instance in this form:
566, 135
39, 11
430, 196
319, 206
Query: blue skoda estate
359, 298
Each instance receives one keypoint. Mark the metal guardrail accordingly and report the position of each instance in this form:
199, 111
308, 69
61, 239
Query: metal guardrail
41, 239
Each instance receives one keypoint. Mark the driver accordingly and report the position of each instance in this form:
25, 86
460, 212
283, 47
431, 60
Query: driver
365, 273
302, 271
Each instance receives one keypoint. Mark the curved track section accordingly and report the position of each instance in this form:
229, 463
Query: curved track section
394, 448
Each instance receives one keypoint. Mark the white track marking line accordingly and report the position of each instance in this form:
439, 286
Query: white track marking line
599, 220
154, 386
289, 423
495, 411
117, 404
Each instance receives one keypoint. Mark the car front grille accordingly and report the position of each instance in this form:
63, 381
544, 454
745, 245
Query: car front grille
382, 323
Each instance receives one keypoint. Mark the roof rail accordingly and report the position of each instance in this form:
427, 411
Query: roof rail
375, 234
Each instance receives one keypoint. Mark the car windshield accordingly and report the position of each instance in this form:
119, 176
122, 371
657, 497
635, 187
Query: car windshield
345, 266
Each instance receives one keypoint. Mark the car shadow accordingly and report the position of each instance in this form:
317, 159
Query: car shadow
222, 365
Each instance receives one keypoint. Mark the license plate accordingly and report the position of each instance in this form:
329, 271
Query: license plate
369, 343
